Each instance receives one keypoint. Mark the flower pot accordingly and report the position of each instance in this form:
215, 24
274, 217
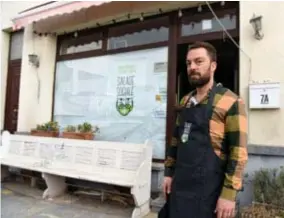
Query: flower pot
44, 133
78, 135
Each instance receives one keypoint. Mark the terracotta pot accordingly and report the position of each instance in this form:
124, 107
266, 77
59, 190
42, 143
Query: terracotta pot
78, 135
44, 133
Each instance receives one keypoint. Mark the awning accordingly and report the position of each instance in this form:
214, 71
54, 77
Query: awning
60, 17
51, 10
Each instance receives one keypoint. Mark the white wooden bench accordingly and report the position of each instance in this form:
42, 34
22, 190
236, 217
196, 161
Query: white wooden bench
121, 164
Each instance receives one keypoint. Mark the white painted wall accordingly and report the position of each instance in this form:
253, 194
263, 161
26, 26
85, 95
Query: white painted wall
33, 109
267, 55
9, 9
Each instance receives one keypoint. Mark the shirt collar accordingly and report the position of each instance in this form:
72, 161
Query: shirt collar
193, 93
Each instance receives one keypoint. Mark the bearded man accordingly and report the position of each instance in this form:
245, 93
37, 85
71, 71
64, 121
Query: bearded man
208, 152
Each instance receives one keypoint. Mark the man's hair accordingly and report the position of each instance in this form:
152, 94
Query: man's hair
207, 46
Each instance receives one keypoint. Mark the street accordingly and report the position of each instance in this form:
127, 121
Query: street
18, 200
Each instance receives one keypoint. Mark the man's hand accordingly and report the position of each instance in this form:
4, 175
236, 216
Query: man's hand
167, 184
225, 208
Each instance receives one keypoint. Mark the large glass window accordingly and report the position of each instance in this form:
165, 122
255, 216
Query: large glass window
124, 94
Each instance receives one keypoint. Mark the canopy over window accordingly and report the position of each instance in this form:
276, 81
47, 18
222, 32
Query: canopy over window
50, 10
69, 16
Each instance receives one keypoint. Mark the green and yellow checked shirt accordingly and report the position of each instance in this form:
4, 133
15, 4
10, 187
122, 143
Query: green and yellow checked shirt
228, 131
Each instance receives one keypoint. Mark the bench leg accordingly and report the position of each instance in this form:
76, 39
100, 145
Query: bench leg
4, 172
56, 186
33, 182
141, 211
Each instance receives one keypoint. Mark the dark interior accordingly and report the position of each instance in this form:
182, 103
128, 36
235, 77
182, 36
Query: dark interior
227, 66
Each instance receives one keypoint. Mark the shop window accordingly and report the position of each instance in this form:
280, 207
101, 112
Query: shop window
190, 27
16, 48
81, 44
146, 32
110, 91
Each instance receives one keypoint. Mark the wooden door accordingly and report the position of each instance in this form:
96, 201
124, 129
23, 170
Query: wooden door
12, 95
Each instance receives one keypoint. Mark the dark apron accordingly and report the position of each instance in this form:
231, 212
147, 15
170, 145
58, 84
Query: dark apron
199, 175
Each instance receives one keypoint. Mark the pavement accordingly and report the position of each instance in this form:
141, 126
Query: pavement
21, 201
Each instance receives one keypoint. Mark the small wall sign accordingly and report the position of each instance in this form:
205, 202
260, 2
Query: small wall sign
206, 24
264, 96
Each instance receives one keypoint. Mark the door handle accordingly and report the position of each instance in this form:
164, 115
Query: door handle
15, 110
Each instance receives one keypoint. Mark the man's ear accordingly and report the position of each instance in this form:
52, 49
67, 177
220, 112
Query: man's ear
213, 66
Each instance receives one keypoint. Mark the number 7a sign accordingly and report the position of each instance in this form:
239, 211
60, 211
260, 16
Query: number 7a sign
264, 96
264, 99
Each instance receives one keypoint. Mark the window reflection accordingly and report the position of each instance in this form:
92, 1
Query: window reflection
111, 94
81, 44
130, 35
16, 45
190, 28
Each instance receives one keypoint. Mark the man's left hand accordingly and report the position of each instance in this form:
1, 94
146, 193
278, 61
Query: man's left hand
225, 208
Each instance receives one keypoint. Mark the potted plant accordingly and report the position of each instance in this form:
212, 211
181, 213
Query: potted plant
83, 131
70, 132
88, 130
49, 129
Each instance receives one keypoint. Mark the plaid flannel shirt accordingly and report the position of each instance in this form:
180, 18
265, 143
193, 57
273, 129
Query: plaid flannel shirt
228, 132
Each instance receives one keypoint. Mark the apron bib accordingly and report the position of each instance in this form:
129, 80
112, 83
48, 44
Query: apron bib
199, 175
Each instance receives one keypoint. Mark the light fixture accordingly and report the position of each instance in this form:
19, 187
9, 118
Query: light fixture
34, 59
255, 21
142, 17
199, 9
179, 13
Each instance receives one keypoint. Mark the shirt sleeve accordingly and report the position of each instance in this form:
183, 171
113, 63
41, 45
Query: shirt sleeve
236, 141
172, 147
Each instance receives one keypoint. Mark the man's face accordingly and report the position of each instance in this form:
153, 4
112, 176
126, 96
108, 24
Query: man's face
200, 68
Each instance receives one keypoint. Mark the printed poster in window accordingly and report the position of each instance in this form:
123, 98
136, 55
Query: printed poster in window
160, 80
125, 89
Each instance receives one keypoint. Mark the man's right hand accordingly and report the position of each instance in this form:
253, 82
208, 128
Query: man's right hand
167, 184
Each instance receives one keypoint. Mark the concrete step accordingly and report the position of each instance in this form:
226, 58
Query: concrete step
157, 204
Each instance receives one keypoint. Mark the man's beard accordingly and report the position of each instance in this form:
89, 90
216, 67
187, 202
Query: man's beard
200, 81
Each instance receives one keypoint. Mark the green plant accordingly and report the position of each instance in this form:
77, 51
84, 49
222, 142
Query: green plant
268, 190
268, 186
70, 128
49, 126
87, 128
261, 210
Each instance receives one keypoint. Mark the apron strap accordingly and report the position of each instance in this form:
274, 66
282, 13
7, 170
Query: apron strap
210, 102
209, 106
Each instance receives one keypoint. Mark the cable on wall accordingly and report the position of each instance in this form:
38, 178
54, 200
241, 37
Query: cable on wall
231, 38
37, 74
